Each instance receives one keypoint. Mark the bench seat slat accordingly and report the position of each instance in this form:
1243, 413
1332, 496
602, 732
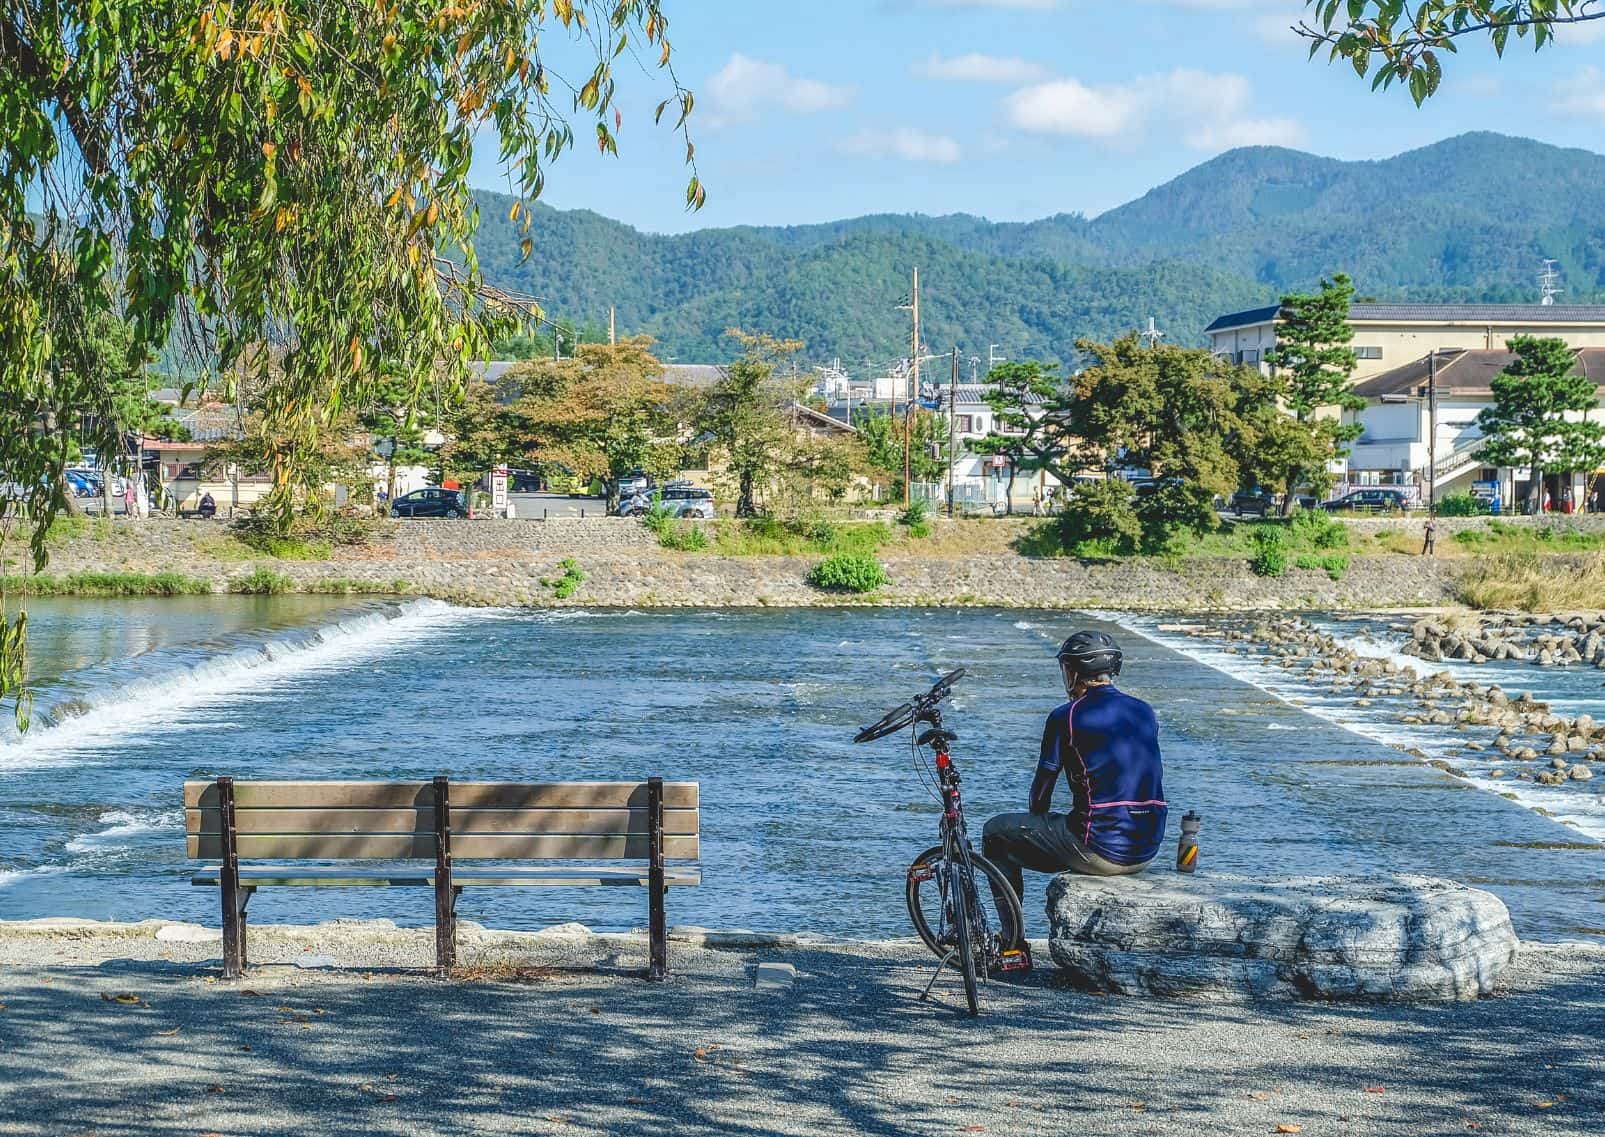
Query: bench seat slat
209, 822
321, 876
421, 846
464, 795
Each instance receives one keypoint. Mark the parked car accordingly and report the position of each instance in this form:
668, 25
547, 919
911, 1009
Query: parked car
633, 484
1368, 501
1253, 502
431, 502
683, 499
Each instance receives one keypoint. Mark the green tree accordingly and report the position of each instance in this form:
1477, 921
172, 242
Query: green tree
600, 414
1539, 415
882, 438
1314, 363
1405, 43
398, 418
744, 414
1173, 411
289, 172
1016, 392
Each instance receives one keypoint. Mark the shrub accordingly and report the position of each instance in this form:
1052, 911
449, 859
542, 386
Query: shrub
849, 572
1099, 511
566, 585
917, 519
685, 537
1175, 512
1462, 505
1320, 529
1333, 564
1270, 553
261, 581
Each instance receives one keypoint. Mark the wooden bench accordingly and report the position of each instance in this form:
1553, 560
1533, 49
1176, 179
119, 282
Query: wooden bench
440, 821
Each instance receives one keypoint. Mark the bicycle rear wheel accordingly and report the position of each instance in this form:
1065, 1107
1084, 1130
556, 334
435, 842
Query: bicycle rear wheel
995, 928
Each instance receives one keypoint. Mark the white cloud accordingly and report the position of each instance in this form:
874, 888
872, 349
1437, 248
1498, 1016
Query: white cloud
1065, 106
977, 68
903, 143
1247, 132
1582, 94
1208, 108
746, 86
1579, 35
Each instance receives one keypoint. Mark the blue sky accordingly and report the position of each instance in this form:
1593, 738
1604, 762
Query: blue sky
1017, 109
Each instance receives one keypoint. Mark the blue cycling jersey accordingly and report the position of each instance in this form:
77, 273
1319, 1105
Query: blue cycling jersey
1107, 745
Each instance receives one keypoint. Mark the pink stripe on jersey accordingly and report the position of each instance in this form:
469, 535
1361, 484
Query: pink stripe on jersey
1113, 804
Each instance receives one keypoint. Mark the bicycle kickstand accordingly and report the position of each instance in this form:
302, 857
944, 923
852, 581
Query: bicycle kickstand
940, 967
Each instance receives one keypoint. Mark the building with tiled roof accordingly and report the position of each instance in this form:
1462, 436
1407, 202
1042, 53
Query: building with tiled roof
1388, 335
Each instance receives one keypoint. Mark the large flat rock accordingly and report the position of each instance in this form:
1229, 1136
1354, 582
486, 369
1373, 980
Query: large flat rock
1220, 936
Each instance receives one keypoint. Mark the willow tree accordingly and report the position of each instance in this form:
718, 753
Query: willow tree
278, 189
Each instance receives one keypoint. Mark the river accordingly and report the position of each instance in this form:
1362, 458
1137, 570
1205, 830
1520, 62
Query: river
802, 829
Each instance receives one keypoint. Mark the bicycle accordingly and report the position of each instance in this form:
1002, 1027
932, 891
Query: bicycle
962, 934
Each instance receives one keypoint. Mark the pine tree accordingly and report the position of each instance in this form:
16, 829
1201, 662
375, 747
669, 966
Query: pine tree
1314, 362
1539, 417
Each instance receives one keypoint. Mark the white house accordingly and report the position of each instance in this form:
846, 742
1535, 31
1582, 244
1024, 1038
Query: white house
1397, 420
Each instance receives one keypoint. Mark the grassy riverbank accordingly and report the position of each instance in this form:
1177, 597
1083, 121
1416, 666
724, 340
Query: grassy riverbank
1316, 563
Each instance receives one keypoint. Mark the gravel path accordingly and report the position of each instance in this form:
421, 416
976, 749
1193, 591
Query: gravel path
107, 1030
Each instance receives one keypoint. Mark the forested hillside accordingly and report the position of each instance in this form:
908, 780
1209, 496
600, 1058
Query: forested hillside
1467, 218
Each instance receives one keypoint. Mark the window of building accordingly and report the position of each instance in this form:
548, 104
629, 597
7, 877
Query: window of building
962, 423
1368, 353
1249, 356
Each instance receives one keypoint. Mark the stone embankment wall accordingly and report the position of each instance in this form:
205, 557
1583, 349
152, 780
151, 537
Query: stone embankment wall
504, 562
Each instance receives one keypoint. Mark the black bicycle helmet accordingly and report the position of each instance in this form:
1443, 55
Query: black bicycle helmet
1091, 655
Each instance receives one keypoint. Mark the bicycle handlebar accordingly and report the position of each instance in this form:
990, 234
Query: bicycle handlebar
906, 714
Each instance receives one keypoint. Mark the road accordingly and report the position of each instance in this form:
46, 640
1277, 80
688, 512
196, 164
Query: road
556, 505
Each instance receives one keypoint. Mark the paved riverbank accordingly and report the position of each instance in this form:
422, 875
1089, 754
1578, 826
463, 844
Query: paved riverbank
965, 564
111, 1031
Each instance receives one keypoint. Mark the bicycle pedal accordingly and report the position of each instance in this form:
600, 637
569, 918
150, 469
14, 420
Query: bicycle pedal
1015, 959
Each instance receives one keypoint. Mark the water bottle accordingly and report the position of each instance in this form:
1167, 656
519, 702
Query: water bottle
1187, 847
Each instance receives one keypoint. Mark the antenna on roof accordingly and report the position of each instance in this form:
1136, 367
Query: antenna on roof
1547, 279
1153, 335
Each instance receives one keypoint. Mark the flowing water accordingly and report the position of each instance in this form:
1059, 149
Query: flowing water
802, 829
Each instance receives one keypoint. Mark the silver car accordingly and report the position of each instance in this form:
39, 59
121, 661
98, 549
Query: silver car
680, 499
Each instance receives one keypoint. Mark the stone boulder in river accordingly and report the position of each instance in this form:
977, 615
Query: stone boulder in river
1221, 936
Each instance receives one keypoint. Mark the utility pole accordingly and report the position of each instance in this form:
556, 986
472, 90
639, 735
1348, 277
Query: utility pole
914, 389
1430, 545
993, 358
612, 334
952, 427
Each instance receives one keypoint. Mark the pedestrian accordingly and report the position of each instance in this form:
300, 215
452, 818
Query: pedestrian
1549, 504
1566, 501
1493, 506
128, 496
1036, 501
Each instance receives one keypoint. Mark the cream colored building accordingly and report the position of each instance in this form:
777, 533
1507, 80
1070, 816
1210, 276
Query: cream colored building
1387, 336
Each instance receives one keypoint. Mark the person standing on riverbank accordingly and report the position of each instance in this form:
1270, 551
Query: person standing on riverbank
1106, 744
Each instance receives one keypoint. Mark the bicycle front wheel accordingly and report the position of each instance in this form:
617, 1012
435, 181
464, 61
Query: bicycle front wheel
962, 931
993, 927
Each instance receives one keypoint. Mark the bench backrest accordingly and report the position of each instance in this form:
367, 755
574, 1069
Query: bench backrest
339, 821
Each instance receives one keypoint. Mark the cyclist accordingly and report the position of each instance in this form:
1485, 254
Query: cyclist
1106, 743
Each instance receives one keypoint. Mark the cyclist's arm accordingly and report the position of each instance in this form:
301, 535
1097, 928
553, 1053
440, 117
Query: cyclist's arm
1047, 768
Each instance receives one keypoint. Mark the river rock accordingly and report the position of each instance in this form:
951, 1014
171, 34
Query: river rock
1385, 937
1580, 773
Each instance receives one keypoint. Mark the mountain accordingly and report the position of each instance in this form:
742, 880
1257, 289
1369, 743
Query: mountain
1468, 218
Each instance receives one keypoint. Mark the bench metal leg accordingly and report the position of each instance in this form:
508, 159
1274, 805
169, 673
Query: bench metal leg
445, 894
658, 957
234, 898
